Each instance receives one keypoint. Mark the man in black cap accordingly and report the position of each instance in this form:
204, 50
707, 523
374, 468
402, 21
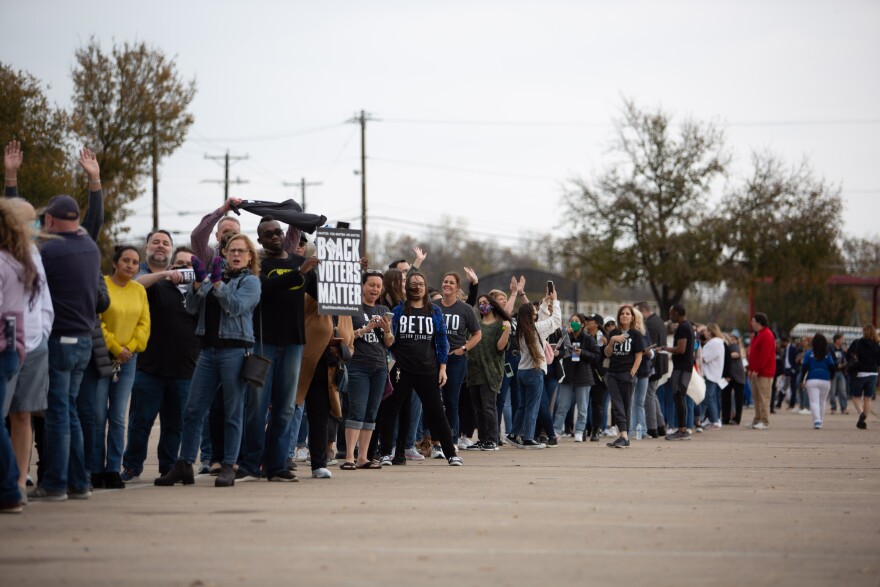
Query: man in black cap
73, 269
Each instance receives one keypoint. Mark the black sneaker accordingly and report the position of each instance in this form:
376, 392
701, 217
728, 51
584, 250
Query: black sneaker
488, 445
113, 481
552, 441
533, 444
243, 476
678, 435
478, 445
290, 465
621, 442
399, 459
861, 425
284, 476
514, 440
594, 437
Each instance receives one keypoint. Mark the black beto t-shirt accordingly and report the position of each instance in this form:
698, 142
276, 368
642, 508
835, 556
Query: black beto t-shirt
173, 348
281, 301
623, 354
414, 343
461, 319
684, 361
369, 349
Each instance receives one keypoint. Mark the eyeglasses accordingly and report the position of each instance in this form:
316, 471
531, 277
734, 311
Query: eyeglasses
271, 233
237, 251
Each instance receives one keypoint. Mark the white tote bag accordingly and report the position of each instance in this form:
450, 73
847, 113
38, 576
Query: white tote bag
697, 387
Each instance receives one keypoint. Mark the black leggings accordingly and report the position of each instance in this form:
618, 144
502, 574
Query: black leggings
737, 390
318, 415
620, 387
426, 386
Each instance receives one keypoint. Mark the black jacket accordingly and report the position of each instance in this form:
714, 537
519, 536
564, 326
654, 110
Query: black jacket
100, 354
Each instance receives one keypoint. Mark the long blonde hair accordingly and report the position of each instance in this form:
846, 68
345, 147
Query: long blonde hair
254, 264
639, 320
15, 239
715, 330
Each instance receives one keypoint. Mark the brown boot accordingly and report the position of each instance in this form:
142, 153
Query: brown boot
181, 473
226, 478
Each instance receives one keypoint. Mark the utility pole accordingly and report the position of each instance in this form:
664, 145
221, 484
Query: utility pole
302, 188
362, 119
225, 181
155, 179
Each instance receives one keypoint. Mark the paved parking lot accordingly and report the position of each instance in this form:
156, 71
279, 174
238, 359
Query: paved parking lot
788, 506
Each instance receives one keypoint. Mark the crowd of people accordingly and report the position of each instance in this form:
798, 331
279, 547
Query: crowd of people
181, 333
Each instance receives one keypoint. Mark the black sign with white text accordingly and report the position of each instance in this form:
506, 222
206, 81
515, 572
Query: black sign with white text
339, 271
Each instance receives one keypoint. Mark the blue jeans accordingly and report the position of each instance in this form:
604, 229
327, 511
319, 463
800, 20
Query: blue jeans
580, 395
365, 389
65, 461
151, 396
85, 408
713, 401
111, 403
295, 425
545, 418
838, 391
416, 422
531, 386
9, 493
505, 406
456, 371
270, 443
640, 392
216, 367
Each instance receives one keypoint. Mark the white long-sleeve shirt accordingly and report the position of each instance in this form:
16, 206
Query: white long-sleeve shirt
548, 322
713, 359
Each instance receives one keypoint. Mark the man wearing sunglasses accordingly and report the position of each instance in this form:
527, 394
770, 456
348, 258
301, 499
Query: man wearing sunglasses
279, 327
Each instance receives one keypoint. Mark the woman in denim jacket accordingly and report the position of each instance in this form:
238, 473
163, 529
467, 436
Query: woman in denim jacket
224, 300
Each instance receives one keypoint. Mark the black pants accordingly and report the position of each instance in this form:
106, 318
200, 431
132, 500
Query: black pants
318, 415
485, 411
597, 398
620, 387
734, 390
426, 386
679, 382
468, 419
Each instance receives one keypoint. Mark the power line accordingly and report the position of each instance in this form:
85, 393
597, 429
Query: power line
581, 123
273, 136
466, 169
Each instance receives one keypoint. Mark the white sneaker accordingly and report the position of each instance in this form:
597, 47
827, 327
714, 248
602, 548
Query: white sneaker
437, 452
578, 437
716, 426
614, 431
385, 461
804, 411
321, 473
759, 426
412, 454
464, 442
302, 455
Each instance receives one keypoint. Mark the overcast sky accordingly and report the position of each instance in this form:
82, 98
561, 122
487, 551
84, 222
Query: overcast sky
483, 109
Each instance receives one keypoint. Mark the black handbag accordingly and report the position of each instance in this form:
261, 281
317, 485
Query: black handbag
255, 368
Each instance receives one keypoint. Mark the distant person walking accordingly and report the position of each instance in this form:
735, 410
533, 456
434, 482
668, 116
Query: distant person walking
762, 368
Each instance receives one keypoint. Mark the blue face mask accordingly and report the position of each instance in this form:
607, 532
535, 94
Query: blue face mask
485, 309
36, 225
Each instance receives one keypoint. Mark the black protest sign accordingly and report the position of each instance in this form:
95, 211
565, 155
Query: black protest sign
339, 271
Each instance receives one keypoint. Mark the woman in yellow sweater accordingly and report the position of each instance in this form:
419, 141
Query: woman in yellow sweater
126, 327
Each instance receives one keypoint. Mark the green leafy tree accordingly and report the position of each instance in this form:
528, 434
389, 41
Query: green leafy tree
131, 107
43, 130
644, 220
780, 231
